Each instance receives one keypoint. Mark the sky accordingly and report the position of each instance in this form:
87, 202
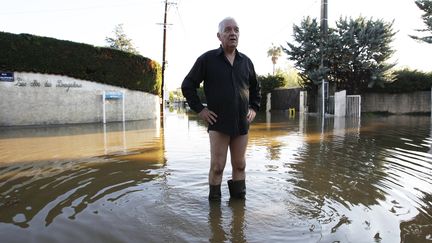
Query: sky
193, 26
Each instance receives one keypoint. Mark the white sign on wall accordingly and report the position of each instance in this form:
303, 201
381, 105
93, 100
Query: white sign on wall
6, 76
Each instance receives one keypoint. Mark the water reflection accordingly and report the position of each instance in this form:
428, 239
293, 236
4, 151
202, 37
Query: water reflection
234, 229
67, 191
309, 180
345, 170
218, 233
69, 142
68, 173
237, 220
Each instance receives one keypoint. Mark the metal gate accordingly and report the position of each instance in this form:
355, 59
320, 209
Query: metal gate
353, 105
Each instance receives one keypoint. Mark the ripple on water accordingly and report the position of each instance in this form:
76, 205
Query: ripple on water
306, 182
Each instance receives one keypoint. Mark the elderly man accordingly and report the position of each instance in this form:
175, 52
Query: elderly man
233, 98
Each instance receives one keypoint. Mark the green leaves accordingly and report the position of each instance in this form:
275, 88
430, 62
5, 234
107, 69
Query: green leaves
120, 41
426, 7
406, 80
274, 52
269, 83
30, 53
352, 56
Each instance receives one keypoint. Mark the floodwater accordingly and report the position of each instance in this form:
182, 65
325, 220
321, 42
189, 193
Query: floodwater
308, 180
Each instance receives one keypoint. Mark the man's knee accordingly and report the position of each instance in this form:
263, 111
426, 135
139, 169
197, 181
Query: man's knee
217, 170
239, 166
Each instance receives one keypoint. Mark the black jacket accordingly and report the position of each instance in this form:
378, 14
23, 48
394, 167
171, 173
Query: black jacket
229, 90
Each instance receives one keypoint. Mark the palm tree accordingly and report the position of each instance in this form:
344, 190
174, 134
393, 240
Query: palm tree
274, 52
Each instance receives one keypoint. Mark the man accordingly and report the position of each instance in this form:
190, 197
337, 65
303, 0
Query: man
233, 98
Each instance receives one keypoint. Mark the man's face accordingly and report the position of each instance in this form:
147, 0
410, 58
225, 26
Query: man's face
230, 34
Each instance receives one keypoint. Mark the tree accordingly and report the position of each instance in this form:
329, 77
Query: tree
364, 49
290, 75
306, 55
120, 41
274, 52
425, 6
354, 53
269, 83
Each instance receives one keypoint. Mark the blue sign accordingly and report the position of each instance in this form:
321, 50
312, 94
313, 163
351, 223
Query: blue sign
6, 76
113, 95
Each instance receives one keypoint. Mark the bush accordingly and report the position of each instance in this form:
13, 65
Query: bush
269, 83
406, 80
30, 53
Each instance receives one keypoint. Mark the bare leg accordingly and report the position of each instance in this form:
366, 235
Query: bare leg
238, 156
218, 154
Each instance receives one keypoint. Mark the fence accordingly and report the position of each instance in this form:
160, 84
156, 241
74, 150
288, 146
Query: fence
353, 105
418, 102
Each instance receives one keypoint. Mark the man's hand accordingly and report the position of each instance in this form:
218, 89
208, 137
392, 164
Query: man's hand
208, 116
251, 115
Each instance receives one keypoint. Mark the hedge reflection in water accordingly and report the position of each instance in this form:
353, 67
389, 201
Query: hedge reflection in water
308, 180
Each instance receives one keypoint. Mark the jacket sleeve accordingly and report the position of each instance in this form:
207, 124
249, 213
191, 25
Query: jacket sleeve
254, 89
191, 83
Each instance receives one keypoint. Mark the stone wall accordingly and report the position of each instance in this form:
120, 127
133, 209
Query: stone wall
41, 99
405, 103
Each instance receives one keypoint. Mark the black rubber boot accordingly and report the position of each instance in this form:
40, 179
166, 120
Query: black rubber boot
215, 193
237, 189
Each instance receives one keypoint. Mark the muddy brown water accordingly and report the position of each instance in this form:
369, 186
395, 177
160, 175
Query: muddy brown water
308, 180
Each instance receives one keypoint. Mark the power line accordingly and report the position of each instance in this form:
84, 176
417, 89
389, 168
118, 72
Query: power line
74, 9
291, 18
181, 21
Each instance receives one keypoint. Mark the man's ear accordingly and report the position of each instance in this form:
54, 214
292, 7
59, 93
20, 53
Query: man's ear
218, 36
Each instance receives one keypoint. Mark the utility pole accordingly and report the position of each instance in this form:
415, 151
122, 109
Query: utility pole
323, 28
165, 24
324, 17
163, 55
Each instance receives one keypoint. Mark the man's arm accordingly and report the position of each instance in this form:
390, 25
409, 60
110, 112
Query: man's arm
190, 85
189, 89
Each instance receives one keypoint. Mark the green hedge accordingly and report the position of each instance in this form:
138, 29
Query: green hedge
30, 53
268, 83
406, 80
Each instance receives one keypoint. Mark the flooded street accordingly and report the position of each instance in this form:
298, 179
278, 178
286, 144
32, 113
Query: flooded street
308, 180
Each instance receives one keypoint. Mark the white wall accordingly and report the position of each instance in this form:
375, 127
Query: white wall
41, 99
